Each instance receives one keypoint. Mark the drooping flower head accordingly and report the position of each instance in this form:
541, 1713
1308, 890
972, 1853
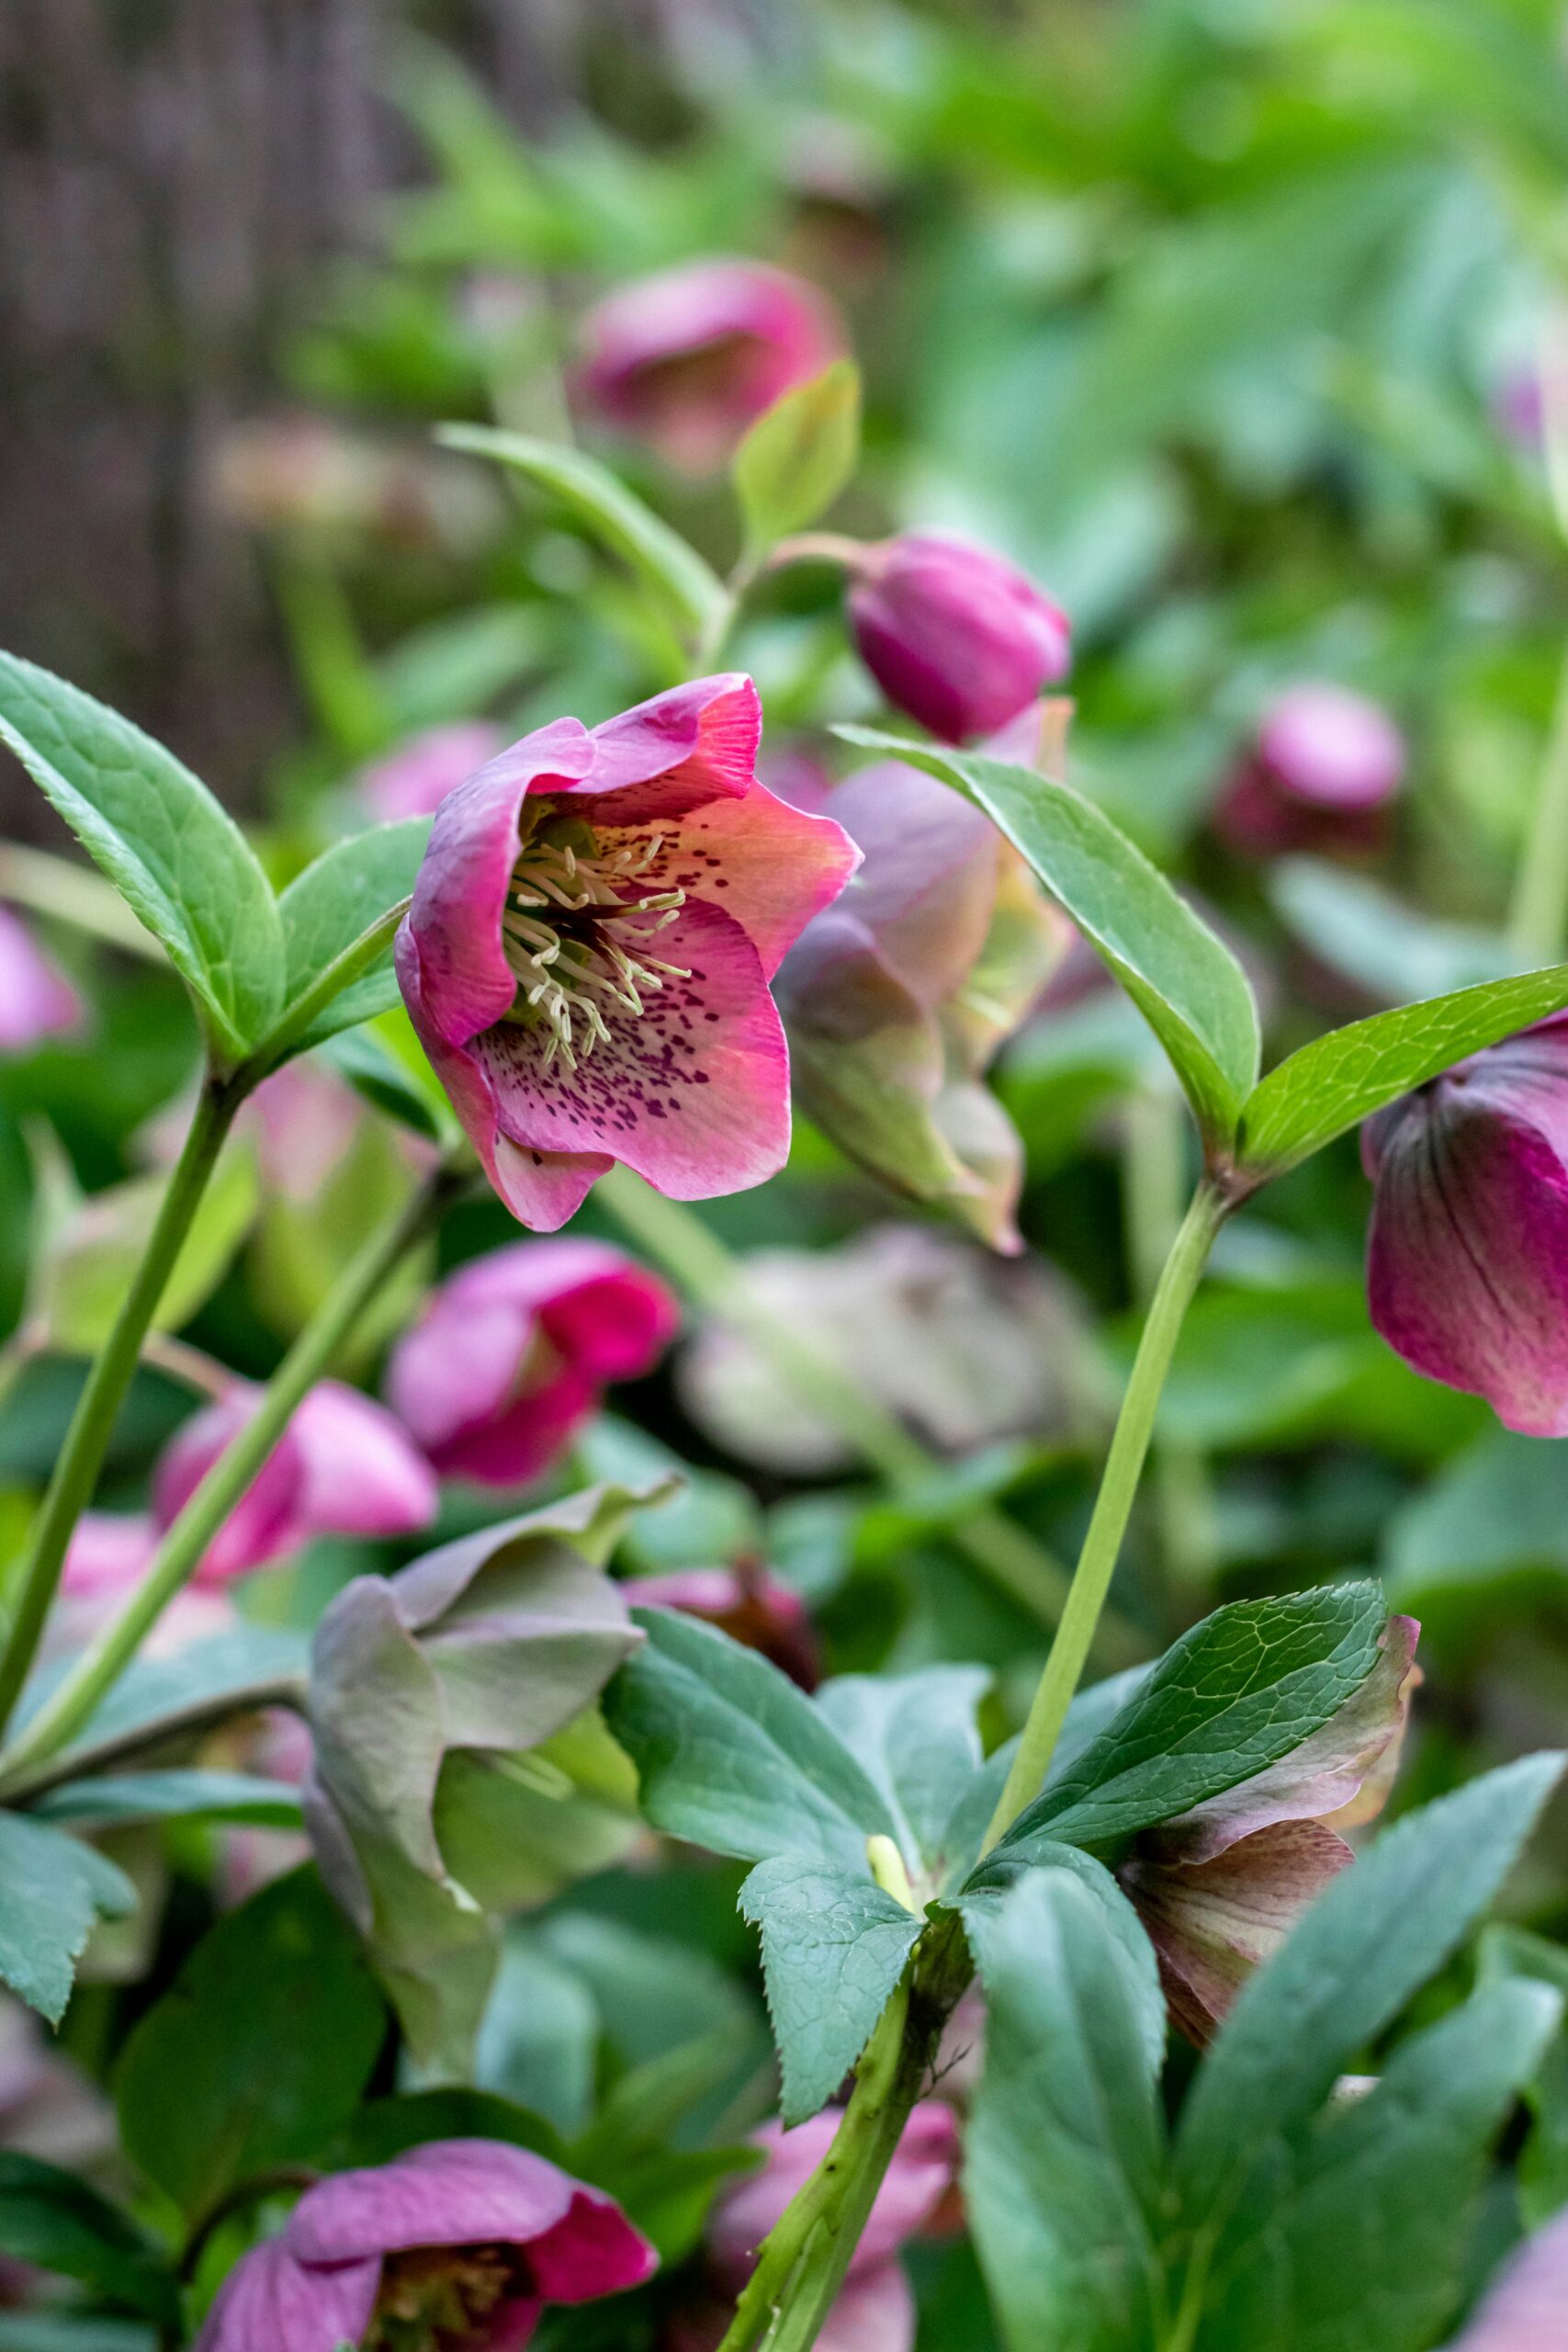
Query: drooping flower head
588, 955
514, 1349
36, 998
960, 638
688, 358
414, 780
1467, 1256
1323, 767
455, 2247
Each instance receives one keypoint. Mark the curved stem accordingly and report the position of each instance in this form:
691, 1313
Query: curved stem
80, 1457
1102, 1542
1539, 912
186, 1540
1154, 1185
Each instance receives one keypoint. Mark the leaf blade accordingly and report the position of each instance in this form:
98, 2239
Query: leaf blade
797, 456
834, 1946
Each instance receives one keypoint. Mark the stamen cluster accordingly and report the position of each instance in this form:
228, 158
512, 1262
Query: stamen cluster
576, 931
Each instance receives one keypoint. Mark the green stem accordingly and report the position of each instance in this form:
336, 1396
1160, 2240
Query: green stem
1153, 1188
153, 1732
186, 1540
692, 1253
1103, 1543
1539, 914
80, 1457
54, 885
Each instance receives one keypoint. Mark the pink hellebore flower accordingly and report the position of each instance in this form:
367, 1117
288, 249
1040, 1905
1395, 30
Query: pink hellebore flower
1526, 2309
1221, 1887
1324, 766
455, 2246
513, 1351
688, 358
1467, 1256
588, 955
875, 2311
954, 635
412, 780
109, 1554
36, 998
343, 1466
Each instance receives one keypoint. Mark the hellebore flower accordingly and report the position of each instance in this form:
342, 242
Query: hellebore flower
1220, 1888
415, 778
1324, 765
455, 2247
954, 635
588, 955
1467, 1253
744, 1602
36, 998
875, 2311
1524, 2309
343, 1466
897, 997
514, 1351
688, 358
426, 1687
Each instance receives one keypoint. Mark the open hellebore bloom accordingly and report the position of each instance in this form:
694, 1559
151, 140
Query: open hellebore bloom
343, 1466
954, 635
1220, 1888
1321, 774
36, 998
455, 2247
1467, 1256
415, 779
587, 953
514, 1352
688, 358
427, 1690
897, 997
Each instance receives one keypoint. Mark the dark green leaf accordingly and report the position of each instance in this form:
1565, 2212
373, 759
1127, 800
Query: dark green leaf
365, 1059
796, 458
52, 2219
915, 1737
175, 1795
270, 2031
331, 914
1507, 1952
833, 1948
55, 1888
182, 863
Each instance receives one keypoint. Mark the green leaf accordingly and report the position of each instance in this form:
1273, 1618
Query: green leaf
916, 1737
1370, 2211
605, 506
1239, 1690
1340, 1079
1382, 1928
731, 1755
1542, 2177
369, 1060
1495, 1512
84, 1275
174, 855
55, 1888
336, 929
833, 1949
52, 2219
1184, 980
245, 1668
798, 456
270, 2031
173, 1795
1065, 2148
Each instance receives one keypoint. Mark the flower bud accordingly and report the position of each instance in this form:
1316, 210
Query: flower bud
954, 635
1324, 765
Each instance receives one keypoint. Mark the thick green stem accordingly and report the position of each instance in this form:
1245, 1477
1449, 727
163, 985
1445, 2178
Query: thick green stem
692, 1253
100, 1666
1154, 1189
1103, 1543
1539, 914
86, 1441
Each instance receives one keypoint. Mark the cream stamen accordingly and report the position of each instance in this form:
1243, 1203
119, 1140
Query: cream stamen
563, 967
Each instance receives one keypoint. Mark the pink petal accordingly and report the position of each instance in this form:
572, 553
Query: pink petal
445, 2192
109, 1552
362, 1476
414, 780
36, 998
1324, 744
523, 1440
304, 1120
459, 1366
270, 2303
1526, 2310
873, 2312
266, 1522
916, 2182
676, 752
929, 885
595, 2251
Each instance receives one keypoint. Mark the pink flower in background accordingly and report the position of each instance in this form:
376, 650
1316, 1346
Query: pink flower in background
954, 635
415, 779
514, 1351
1526, 2308
688, 358
587, 958
304, 1120
1221, 1887
36, 998
459, 2242
746, 1602
343, 1466
875, 2311
1467, 1253
109, 1554
1324, 765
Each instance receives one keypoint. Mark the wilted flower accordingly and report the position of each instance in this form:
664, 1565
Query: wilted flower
1526, 2308
1323, 767
1220, 1888
896, 998
952, 634
587, 959
746, 1602
457, 2243
343, 1466
1467, 1261
514, 1351
415, 778
36, 998
688, 358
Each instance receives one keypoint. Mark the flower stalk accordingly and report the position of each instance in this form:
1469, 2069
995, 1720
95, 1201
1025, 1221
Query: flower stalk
1539, 911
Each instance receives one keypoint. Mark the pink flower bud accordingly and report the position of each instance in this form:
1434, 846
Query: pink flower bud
1325, 763
954, 635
